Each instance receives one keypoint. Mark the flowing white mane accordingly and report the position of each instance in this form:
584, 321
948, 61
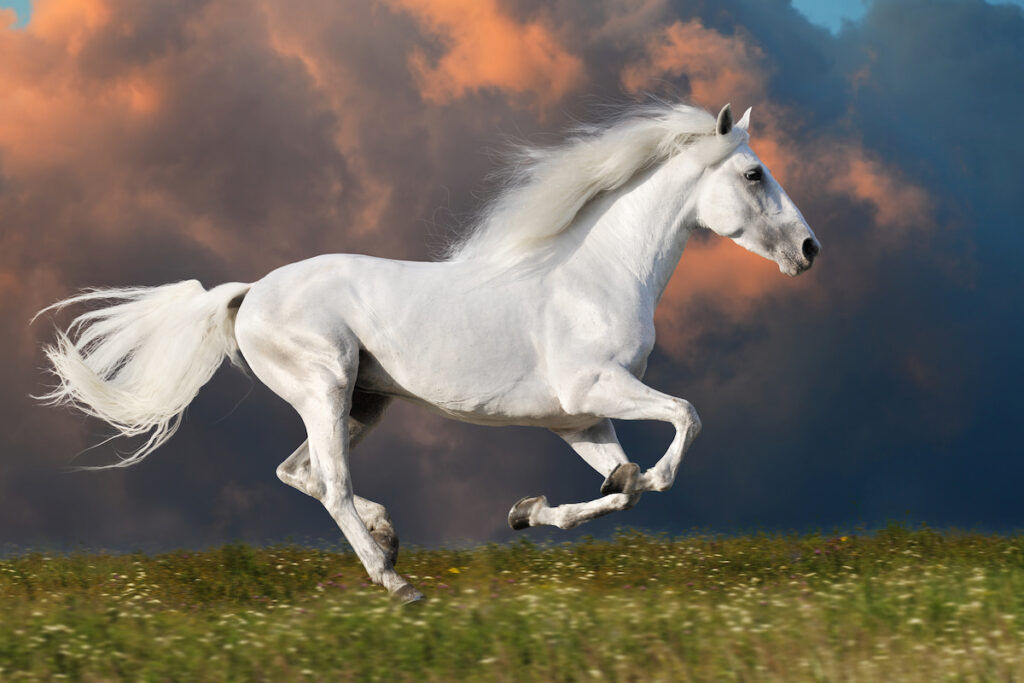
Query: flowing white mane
546, 187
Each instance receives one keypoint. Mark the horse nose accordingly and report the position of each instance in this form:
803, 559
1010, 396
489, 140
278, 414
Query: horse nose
810, 249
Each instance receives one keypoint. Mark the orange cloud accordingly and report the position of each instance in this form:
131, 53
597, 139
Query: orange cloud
898, 205
718, 271
487, 49
719, 68
731, 274
68, 22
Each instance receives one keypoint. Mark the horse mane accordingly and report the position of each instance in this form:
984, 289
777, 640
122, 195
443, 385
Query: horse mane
545, 188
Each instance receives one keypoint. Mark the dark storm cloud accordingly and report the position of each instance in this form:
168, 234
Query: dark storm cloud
220, 139
901, 399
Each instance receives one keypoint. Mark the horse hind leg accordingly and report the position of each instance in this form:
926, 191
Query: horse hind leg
378, 522
327, 427
295, 471
315, 371
366, 412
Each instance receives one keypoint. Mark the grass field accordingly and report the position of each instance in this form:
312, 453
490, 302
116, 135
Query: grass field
895, 605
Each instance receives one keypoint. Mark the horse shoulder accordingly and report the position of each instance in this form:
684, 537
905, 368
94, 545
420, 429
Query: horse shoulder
589, 333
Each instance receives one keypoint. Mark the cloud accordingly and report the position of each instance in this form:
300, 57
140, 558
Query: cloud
145, 142
897, 205
484, 48
718, 68
68, 24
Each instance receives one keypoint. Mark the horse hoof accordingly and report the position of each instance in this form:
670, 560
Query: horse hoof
519, 515
623, 479
406, 595
388, 542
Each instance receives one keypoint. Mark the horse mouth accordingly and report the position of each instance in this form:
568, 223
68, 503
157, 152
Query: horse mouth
792, 268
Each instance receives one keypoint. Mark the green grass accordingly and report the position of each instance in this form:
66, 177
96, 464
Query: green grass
895, 605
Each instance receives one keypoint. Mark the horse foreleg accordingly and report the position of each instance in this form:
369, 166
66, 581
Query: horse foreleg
618, 394
535, 511
599, 448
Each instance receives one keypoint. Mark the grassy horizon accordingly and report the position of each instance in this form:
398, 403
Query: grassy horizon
899, 604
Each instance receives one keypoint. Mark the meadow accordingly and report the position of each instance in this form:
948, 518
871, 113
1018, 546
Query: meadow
895, 605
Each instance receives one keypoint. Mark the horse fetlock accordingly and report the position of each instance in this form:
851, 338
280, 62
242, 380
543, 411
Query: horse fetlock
384, 535
523, 513
662, 484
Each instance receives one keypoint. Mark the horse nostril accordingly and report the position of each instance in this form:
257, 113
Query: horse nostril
810, 248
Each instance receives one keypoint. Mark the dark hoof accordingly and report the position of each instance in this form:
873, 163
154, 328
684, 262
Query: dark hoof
407, 595
388, 542
623, 479
519, 515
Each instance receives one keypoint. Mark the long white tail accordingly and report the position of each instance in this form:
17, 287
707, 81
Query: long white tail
138, 362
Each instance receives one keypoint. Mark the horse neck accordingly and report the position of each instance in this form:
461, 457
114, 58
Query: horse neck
637, 233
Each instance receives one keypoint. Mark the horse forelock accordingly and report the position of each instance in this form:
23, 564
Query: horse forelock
544, 188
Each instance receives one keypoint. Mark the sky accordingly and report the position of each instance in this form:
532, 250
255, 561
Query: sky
832, 13
148, 142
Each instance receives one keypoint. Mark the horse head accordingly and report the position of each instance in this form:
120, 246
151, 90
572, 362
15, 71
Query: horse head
738, 198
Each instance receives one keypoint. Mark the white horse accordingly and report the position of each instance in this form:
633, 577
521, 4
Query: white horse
542, 316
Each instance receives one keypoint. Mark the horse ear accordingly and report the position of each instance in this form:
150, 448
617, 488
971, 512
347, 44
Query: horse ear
744, 122
724, 120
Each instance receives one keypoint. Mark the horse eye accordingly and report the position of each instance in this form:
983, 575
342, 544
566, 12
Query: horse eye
753, 175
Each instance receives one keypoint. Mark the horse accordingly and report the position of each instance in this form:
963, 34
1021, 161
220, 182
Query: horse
541, 315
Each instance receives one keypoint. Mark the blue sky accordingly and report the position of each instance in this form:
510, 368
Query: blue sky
22, 7
832, 13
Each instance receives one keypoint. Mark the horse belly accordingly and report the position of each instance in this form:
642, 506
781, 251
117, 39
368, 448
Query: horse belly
469, 362
481, 388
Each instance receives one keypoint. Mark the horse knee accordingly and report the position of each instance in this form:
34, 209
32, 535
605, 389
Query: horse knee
688, 418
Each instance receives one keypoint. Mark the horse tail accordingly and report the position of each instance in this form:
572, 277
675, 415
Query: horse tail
138, 361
